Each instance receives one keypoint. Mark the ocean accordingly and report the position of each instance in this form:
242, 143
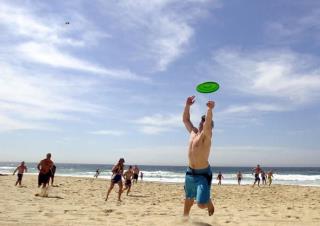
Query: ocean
305, 176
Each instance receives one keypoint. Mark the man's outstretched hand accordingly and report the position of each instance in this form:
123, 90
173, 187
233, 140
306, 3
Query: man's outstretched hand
190, 100
210, 104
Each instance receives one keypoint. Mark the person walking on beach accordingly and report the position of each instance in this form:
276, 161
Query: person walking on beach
21, 169
141, 176
199, 175
257, 171
219, 178
117, 172
127, 176
239, 177
97, 173
270, 175
263, 177
135, 174
44, 168
53, 172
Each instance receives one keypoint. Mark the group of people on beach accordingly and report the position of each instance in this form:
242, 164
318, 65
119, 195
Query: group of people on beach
257, 172
130, 177
198, 176
264, 176
47, 171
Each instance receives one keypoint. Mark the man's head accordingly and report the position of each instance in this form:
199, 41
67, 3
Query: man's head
22, 163
203, 119
121, 160
49, 156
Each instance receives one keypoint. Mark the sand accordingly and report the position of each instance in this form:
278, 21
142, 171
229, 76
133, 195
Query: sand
80, 201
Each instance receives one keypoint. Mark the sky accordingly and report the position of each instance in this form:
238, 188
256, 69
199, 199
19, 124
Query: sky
93, 81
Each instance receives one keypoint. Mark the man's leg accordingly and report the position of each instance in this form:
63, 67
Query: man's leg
187, 206
129, 190
109, 190
120, 191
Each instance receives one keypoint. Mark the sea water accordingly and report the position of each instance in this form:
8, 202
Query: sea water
306, 176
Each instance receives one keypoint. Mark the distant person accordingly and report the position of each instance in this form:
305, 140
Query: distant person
270, 175
141, 176
263, 177
219, 178
127, 176
199, 175
21, 169
117, 172
257, 172
44, 168
239, 177
97, 173
53, 172
135, 174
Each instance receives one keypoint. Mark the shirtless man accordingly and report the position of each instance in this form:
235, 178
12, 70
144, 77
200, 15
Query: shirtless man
117, 172
135, 174
21, 169
199, 175
45, 173
257, 171
127, 176
219, 178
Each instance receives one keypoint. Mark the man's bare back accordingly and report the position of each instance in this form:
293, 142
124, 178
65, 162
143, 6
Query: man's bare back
45, 166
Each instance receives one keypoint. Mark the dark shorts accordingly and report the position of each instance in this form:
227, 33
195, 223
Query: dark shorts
135, 176
20, 175
257, 178
128, 183
198, 184
44, 178
116, 178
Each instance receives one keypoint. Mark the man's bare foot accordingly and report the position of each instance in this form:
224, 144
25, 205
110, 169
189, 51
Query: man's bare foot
119, 200
106, 199
210, 208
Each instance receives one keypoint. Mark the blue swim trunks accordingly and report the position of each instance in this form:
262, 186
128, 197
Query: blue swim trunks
198, 184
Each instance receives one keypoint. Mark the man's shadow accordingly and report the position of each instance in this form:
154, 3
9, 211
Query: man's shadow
201, 224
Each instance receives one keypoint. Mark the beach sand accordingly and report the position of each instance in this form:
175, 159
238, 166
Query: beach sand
80, 201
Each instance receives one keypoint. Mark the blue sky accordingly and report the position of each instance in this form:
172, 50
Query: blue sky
113, 82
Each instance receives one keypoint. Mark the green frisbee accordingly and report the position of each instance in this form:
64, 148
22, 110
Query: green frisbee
207, 87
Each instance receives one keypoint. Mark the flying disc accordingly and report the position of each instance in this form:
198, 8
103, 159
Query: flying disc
207, 87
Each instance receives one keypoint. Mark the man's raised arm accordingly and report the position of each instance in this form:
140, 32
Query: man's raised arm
208, 123
186, 114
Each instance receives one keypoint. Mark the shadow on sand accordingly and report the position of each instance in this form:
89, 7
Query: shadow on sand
201, 224
139, 196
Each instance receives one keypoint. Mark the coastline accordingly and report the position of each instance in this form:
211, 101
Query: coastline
80, 201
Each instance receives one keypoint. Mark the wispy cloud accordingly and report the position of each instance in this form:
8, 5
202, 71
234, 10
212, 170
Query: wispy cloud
163, 29
297, 27
42, 76
28, 100
158, 123
284, 76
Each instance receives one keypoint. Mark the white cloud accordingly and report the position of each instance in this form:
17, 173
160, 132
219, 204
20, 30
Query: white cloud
289, 78
162, 29
50, 55
108, 132
158, 123
28, 100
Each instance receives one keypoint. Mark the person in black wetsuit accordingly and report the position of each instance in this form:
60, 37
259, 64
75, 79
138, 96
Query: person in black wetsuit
117, 172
